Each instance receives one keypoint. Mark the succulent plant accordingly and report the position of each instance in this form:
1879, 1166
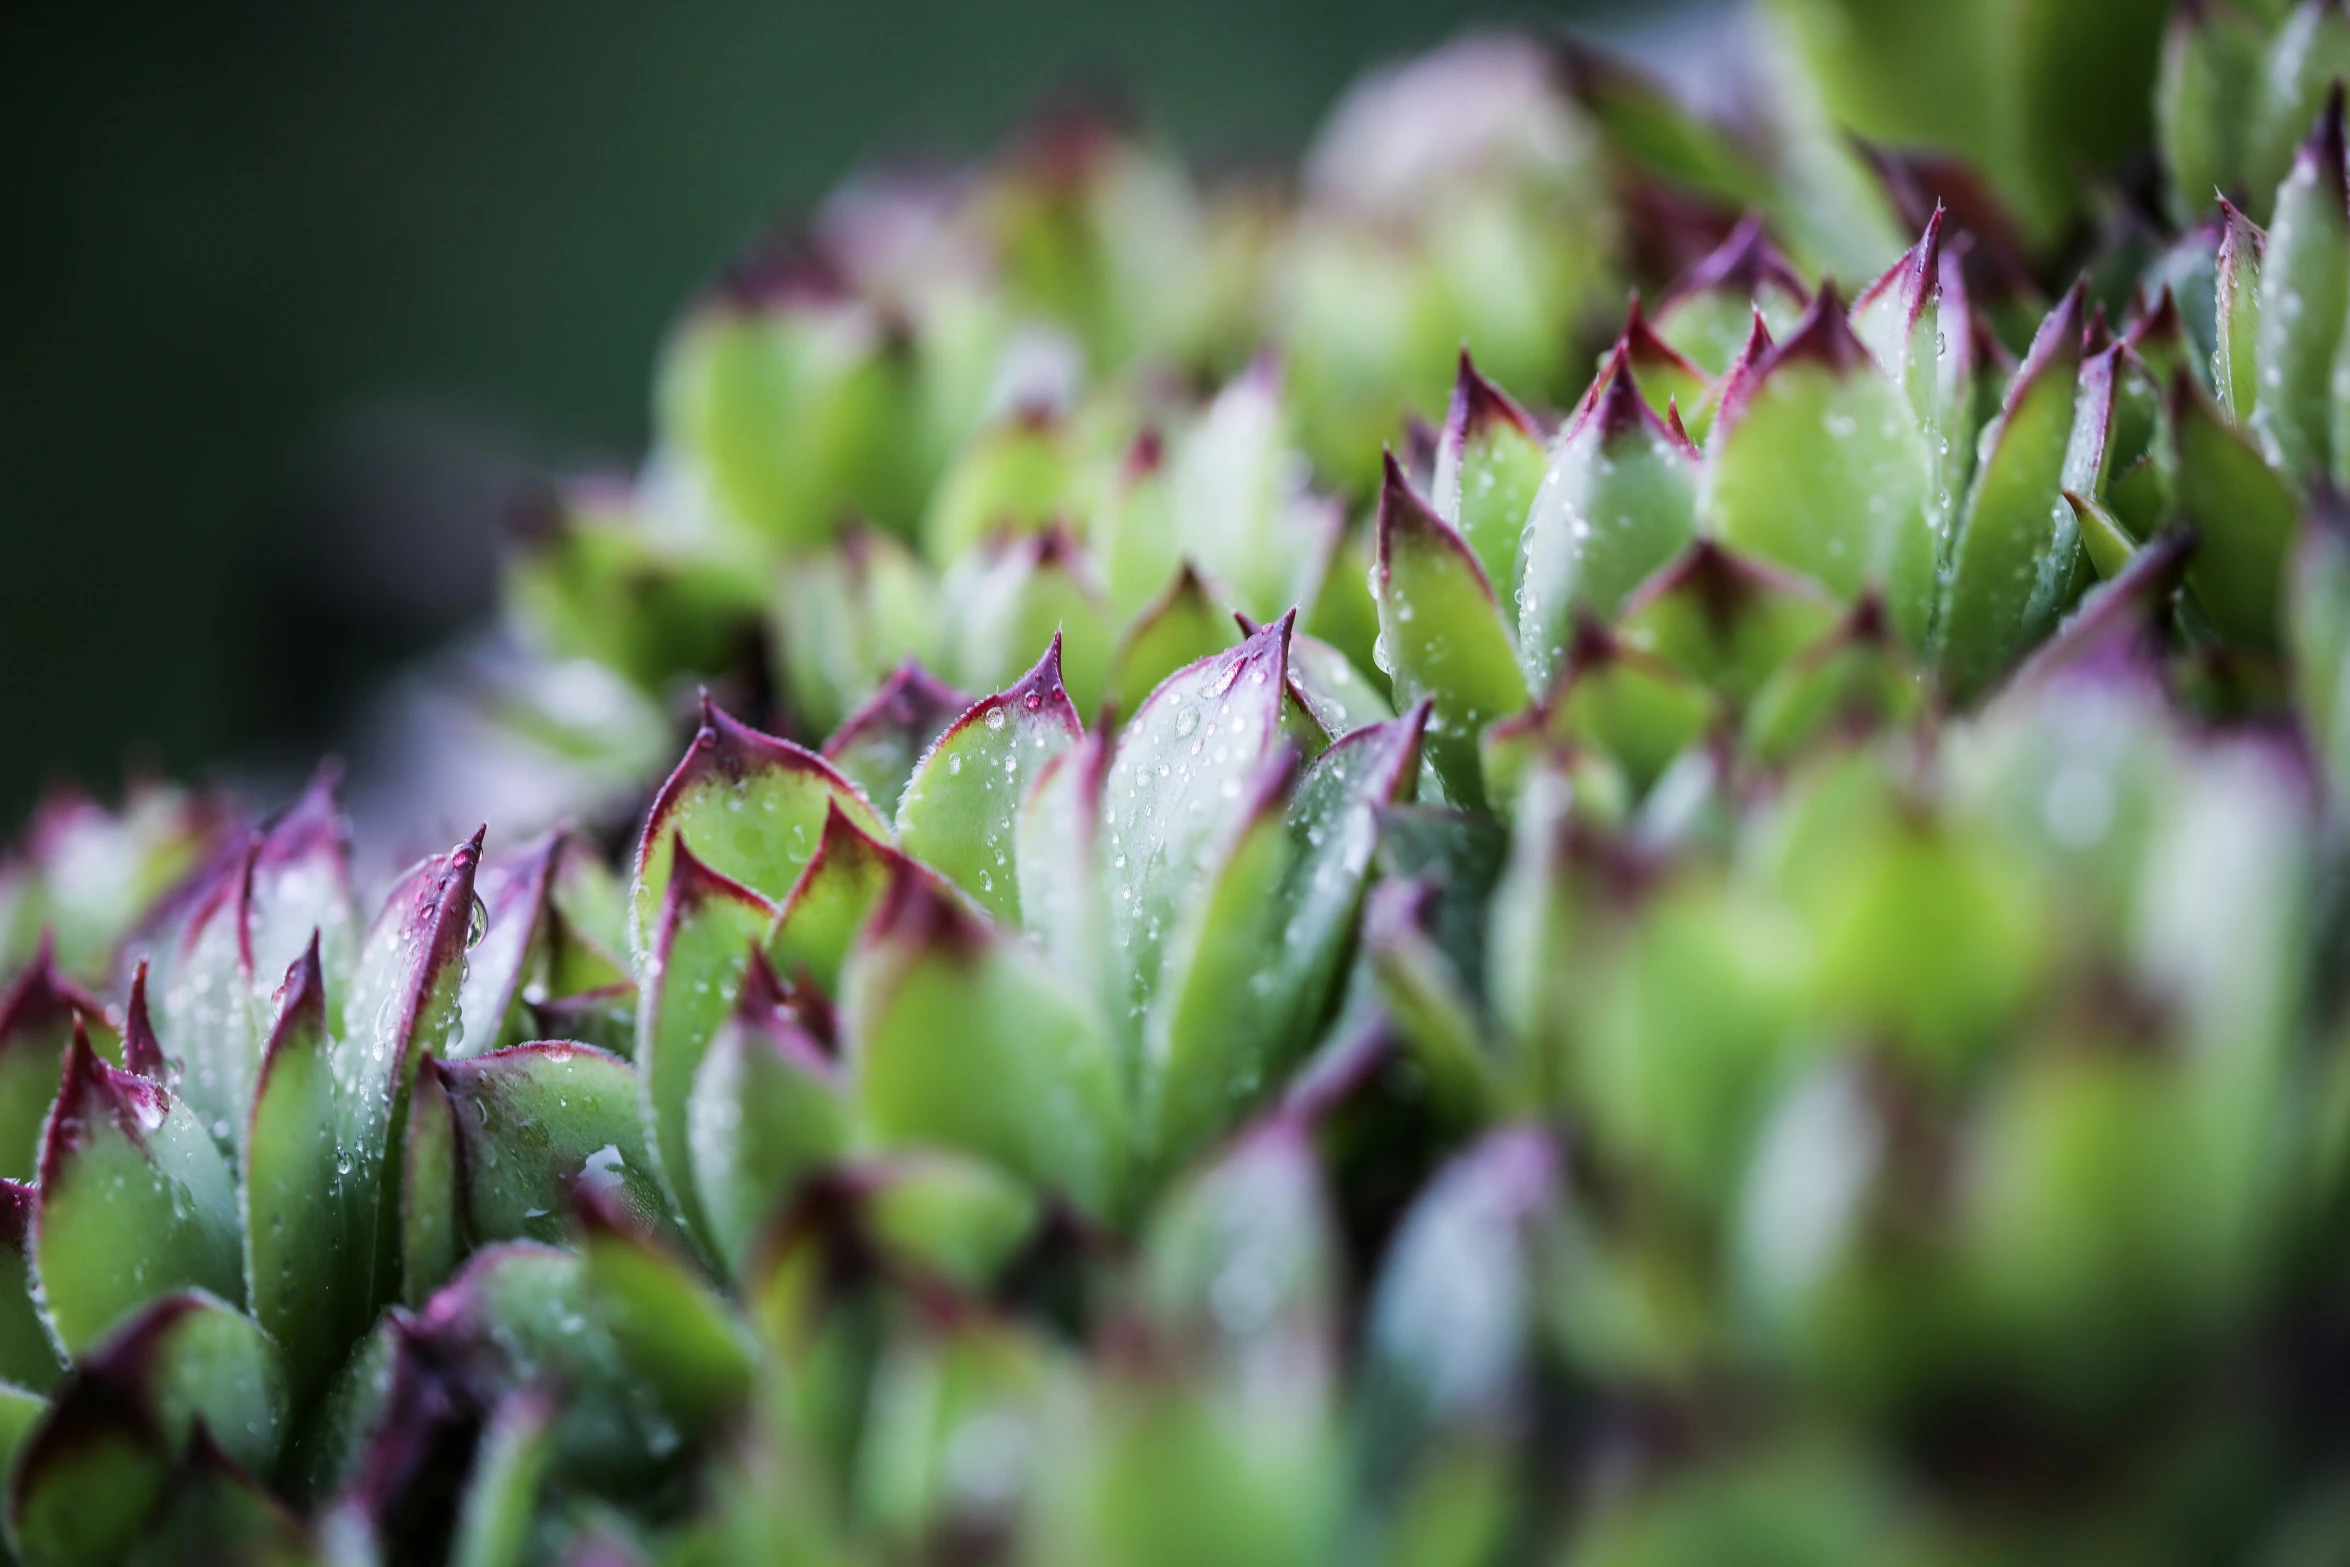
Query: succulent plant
1747, 971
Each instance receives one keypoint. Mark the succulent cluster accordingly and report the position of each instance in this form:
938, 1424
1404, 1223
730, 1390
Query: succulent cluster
1749, 972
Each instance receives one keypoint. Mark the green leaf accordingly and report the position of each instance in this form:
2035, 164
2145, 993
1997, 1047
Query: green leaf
434, 1234
38, 1018
2304, 298
515, 891
1489, 462
135, 1202
767, 1109
209, 1499
2018, 545
2307, 57
2211, 60
779, 391
677, 1336
403, 1007
1166, 796
820, 916
301, 883
99, 1461
879, 744
1331, 686
948, 1216
1709, 311
1239, 506
523, 1315
1013, 597
1181, 626
1133, 534
1056, 850
1907, 318
1014, 477
535, 1120
2235, 365
961, 809
845, 618
1856, 681
209, 1010
502, 1497
1724, 618
750, 806
1424, 991
1442, 634
1665, 378
2245, 519
2103, 537
1638, 710
1442, 1361
1618, 501
28, 1356
1819, 465
309, 1256
709, 928
958, 1036
2319, 608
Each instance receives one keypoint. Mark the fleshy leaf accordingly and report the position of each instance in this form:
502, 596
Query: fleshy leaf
750, 806
1442, 633
1664, 376
767, 1109
2304, 297
2104, 539
2211, 60
677, 1336
1167, 794
135, 1203
2244, 515
1857, 681
1618, 501
2235, 365
1423, 990
878, 746
1707, 314
2307, 57
1254, 960
99, 1461
302, 883
502, 1487
209, 1009
1240, 510
1446, 1361
1181, 626
28, 1355
708, 930
1012, 600
38, 1016
1488, 466
434, 1233
961, 808
962, 1037
1056, 849
309, 1260
1636, 709
514, 890
820, 916
403, 1006
845, 618
1723, 618
1819, 465
533, 1121
2013, 568
1013, 478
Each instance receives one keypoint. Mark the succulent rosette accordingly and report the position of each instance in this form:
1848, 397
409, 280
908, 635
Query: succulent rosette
1729, 951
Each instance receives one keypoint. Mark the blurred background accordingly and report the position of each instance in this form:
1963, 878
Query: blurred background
297, 296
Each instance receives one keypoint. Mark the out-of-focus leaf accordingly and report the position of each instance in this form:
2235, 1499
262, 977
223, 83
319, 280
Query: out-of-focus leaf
2304, 297
38, 1016
2244, 515
767, 1109
676, 1335
1724, 618
1181, 626
1016, 597
962, 1037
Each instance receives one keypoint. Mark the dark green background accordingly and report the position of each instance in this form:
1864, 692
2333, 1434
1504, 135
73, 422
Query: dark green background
290, 296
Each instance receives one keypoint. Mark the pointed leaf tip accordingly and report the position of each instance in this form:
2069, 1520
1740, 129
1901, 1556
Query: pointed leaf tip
1823, 337
141, 1051
1478, 404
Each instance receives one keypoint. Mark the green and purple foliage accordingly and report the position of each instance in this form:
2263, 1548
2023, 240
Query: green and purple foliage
1733, 953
